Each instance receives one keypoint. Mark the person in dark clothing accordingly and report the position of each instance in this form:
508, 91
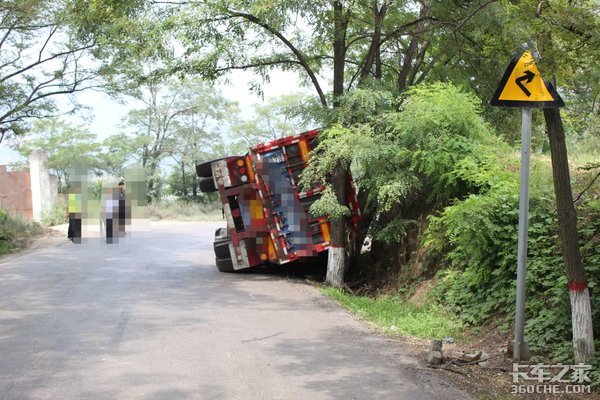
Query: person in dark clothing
115, 212
74, 211
122, 208
109, 204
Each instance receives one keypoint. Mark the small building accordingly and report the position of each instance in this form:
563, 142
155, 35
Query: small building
28, 194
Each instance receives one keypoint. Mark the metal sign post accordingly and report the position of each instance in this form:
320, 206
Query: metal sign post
520, 348
522, 86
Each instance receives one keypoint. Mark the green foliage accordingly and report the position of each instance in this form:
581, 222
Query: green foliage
14, 232
438, 126
327, 204
181, 185
477, 238
397, 317
185, 187
417, 156
116, 151
594, 361
390, 231
43, 48
336, 146
56, 216
156, 184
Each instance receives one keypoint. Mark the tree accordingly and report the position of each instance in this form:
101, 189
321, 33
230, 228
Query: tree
181, 186
65, 145
581, 312
116, 151
181, 119
45, 53
276, 118
199, 130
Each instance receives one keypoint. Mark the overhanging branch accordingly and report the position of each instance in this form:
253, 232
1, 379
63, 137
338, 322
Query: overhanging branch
301, 59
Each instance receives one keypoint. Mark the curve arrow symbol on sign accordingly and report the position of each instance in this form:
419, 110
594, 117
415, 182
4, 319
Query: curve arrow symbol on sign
519, 81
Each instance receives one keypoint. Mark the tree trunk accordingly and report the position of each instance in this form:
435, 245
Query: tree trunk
407, 61
195, 187
581, 312
373, 56
183, 183
336, 261
339, 51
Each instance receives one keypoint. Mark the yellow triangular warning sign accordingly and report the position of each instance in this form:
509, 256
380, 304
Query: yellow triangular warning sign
522, 86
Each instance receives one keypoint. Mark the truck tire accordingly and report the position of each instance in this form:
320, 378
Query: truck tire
221, 235
224, 264
204, 170
207, 185
222, 249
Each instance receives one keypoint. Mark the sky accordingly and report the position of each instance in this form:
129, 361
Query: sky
105, 113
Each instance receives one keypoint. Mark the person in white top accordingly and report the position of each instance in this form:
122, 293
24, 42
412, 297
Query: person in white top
110, 206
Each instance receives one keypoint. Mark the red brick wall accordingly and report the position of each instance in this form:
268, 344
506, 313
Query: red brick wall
15, 193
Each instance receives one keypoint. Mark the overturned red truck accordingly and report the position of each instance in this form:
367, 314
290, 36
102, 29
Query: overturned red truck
266, 212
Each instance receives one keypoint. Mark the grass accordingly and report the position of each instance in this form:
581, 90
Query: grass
185, 211
400, 318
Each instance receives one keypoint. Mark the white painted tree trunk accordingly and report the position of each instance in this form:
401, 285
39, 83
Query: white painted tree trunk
335, 266
581, 316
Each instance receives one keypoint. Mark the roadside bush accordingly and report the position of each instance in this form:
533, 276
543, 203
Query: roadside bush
477, 239
404, 153
14, 232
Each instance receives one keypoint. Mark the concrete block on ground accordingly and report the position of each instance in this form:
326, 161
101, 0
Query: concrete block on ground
434, 357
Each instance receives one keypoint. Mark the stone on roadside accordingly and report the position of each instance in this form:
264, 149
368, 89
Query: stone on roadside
484, 356
434, 357
470, 357
436, 345
453, 354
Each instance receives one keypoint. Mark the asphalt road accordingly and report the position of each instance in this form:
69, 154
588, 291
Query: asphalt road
152, 318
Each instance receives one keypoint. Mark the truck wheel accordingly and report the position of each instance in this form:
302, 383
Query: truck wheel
222, 249
221, 235
224, 264
204, 170
207, 185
